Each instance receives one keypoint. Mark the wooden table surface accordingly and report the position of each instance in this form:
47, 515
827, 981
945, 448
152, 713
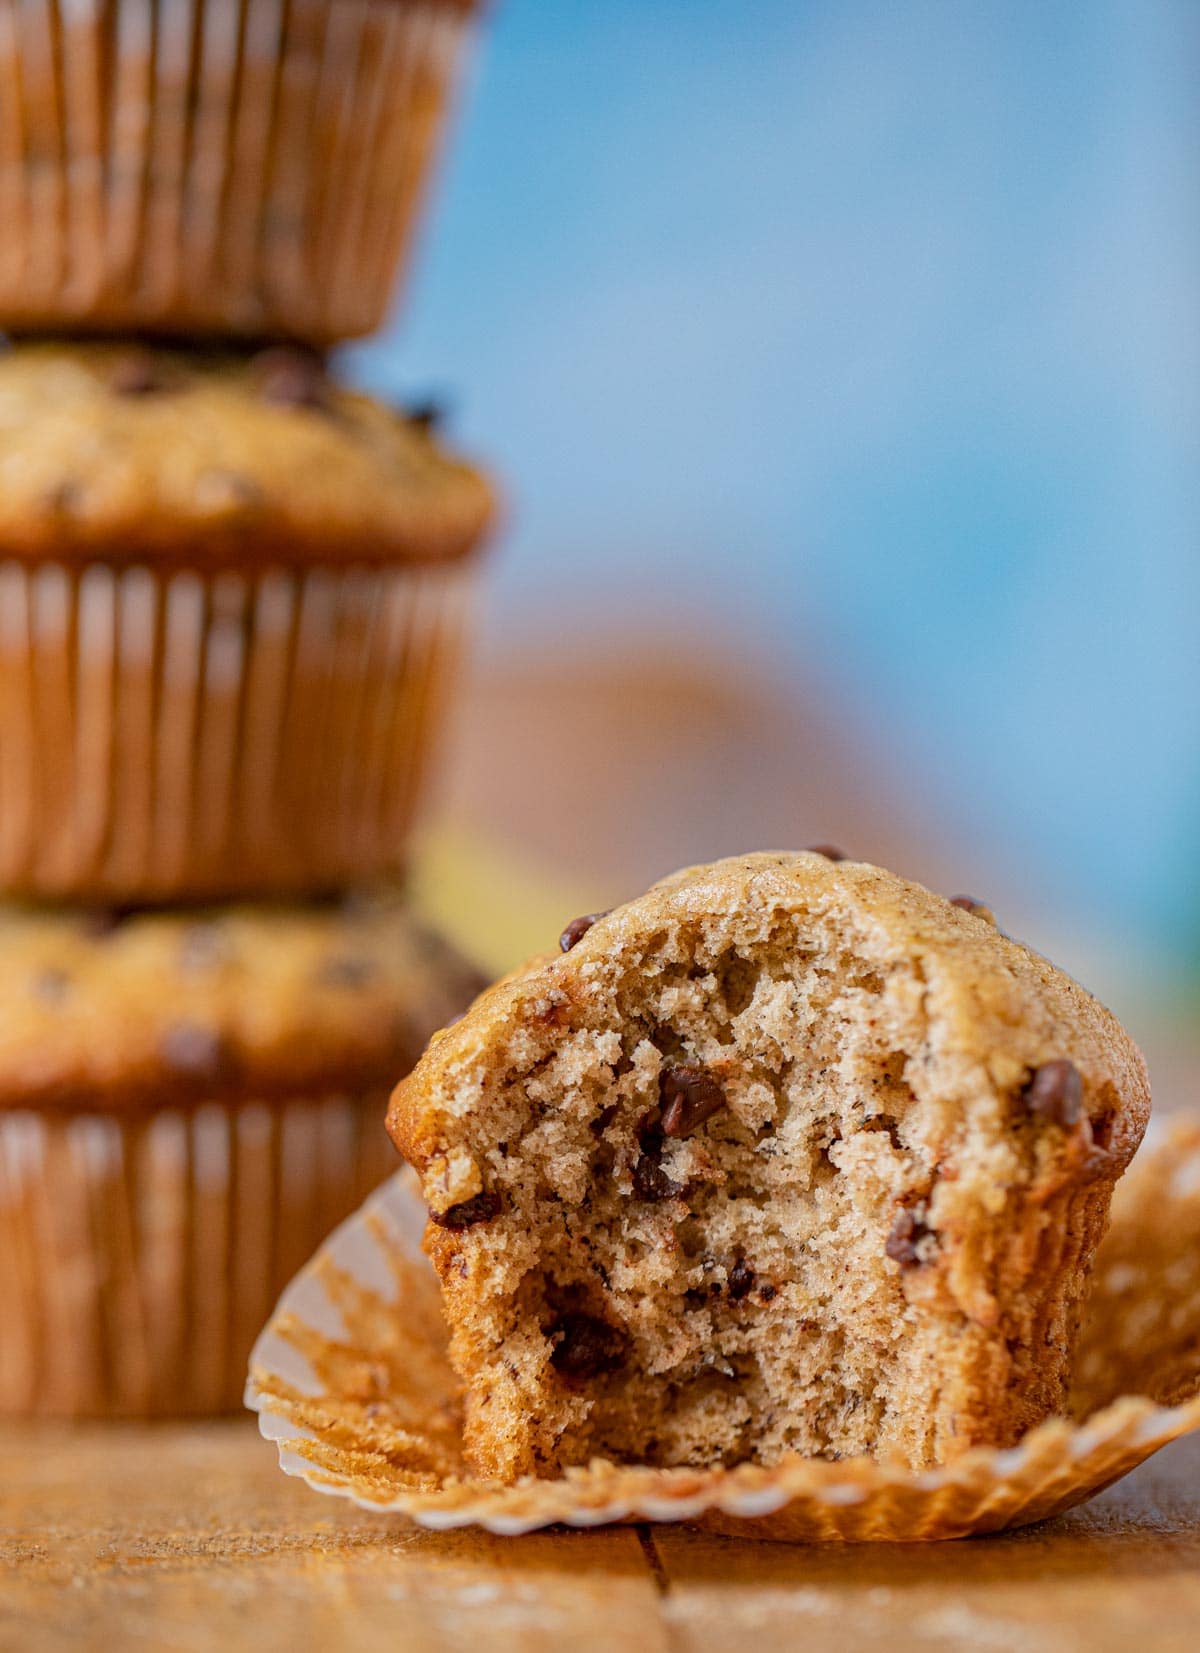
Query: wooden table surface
188, 1537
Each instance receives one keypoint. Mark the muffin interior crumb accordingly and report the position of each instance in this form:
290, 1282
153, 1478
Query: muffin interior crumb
689, 1214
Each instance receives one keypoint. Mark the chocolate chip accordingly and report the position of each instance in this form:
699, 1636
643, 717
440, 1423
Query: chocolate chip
829, 851
428, 414
51, 986
196, 1051
741, 1280
578, 928
480, 1208
650, 1181
587, 1347
347, 970
906, 1234
291, 378
768, 1292
689, 1095
136, 373
1055, 1093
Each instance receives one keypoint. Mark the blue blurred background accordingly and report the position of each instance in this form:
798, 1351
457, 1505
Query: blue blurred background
865, 337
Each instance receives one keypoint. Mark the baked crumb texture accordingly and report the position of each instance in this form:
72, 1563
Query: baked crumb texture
786, 1156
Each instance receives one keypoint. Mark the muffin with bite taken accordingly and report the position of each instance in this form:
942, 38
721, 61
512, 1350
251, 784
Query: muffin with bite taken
789, 1155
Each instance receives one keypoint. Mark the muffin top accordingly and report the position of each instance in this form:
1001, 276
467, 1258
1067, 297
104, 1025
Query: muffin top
101, 1009
125, 454
995, 1005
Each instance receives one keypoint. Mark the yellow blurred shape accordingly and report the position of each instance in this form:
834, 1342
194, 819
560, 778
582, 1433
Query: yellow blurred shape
499, 907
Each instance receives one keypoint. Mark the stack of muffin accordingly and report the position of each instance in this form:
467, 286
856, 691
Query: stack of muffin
231, 599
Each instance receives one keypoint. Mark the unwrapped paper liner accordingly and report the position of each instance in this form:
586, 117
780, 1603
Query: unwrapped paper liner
351, 1379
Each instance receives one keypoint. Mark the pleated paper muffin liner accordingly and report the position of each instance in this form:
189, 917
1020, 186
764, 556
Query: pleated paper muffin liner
170, 734
234, 167
141, 1253
351, 1380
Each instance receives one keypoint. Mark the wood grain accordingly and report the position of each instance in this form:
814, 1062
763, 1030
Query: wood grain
188, 1538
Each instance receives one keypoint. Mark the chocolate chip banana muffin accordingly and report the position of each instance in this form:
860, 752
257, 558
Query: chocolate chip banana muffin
231, 598
789, 1155
250, 171
189, 1102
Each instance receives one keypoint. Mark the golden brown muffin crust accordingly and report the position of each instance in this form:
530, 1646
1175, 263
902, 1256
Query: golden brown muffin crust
122, 453
1001, 1002
100, 1010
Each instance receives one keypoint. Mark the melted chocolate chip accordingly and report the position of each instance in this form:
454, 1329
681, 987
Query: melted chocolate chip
1055, 1093
741, 1280
689, 1095
578, 928
650, 1181
195, 1051
136, 373
768, 1292
907, 1231
480, 1208
292, 378
829, 851
587, 1347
